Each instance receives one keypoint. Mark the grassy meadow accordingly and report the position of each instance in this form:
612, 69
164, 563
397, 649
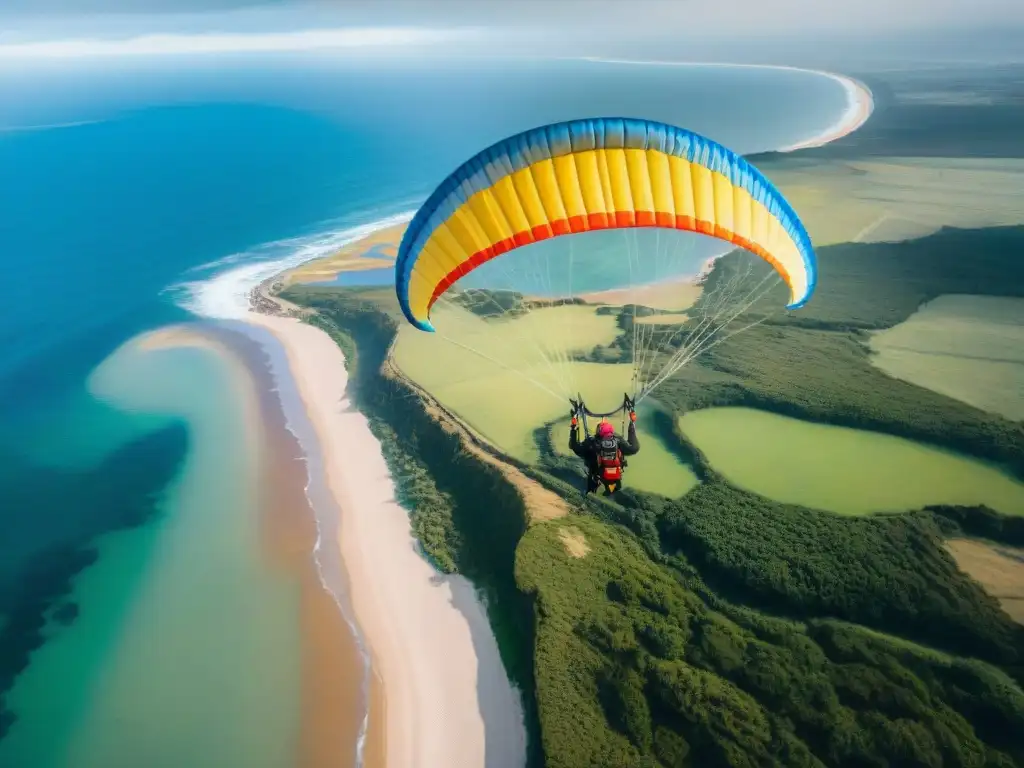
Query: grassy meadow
500, 375
967, 347
506, 376
899, 198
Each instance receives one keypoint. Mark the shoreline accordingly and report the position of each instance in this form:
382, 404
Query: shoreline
332, 699
860, 102
401, 722
330, 582
428, 706
228, 294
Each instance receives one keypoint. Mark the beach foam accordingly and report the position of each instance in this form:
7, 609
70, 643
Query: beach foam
225, 295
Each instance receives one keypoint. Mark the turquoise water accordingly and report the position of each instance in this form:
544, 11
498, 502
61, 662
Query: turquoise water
361, 277
127, 194
569, 266
174, 609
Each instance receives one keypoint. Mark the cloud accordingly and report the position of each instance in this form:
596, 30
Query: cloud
53, 7
266, 42
691, 18
62, 29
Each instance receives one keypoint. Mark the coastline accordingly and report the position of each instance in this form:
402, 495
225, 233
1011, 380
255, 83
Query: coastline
228, 294
428, 640
442, 695
331, 701
860, 102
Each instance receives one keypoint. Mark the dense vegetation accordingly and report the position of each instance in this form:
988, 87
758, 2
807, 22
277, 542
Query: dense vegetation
877, 285
883, 571
723, 628
635, 669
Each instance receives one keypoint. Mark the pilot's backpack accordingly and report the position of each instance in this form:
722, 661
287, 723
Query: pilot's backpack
609, 460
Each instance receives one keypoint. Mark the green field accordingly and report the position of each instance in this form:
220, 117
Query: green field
508, 397
898, 198
967, 347
507, 376
843, 470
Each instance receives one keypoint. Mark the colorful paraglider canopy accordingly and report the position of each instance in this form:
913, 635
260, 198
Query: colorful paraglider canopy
595, 174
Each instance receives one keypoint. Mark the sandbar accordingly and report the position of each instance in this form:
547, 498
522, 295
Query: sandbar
331, 669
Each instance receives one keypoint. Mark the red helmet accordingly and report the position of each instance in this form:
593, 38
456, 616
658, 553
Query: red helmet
605, 429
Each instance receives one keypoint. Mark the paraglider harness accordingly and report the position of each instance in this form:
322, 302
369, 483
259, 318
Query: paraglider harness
610, 460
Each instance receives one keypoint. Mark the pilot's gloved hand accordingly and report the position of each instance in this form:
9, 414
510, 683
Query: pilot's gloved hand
632, 416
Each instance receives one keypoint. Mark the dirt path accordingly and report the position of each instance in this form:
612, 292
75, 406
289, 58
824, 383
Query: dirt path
541, 503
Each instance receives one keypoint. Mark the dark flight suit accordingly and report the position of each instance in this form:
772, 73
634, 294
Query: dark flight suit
588, 451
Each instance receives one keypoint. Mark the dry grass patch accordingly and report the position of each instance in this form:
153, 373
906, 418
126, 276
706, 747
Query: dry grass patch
673, 318
670, 295
1000, 570
574, 541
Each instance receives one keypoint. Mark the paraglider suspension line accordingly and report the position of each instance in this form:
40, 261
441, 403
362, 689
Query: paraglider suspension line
579, 409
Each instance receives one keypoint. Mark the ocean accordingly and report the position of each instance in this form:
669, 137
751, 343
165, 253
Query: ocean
136, 196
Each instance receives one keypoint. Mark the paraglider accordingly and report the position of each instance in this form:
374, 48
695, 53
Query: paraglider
595, 174
604, 453
603, 174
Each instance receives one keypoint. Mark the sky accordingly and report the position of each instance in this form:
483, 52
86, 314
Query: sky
73, 28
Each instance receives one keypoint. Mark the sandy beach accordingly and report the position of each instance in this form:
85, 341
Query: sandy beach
859, 106
382, 244
446, 698
439, 694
